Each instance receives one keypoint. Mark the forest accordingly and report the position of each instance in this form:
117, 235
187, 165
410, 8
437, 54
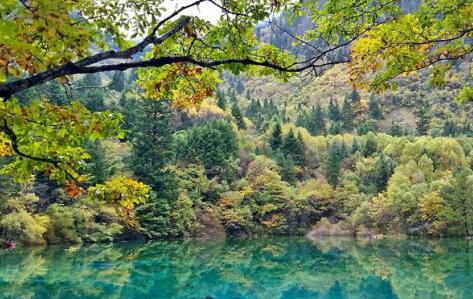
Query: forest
193, 140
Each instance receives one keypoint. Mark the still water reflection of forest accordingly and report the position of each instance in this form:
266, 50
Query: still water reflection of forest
291, 267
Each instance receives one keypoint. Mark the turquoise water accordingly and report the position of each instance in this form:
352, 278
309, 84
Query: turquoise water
257, 268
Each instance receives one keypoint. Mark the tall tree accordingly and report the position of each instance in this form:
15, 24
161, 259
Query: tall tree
374, 108
276, 137
294, 147
354, 145
232, 95
213, 145
334, 111
97, 164
221, 99
335, 128
459, 197
317, 121
384, 170
354, 96
395, 129
347, 116
239, 87
423, 120
238, 116
370, 145
152, 150
303, 119
333, 165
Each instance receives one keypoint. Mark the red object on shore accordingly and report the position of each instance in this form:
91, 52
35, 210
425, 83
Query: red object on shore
10, 245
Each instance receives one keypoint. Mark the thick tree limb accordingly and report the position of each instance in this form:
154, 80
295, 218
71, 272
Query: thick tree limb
10, 88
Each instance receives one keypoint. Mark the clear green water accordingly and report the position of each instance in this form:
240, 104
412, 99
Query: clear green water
262, 268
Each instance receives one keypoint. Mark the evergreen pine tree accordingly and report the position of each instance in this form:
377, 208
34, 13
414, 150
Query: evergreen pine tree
354, 96
335, 128
232, 95
384, 170
333, 166
294, 147
423, 120
395, 129
152, 146
236, 113
152, 151
334, 111
239, 87
347, 116
97, 164
302, 119
370, 145
317, 121
450, 128
221, 99
299, 154
276, 138
375, 110
354, 145
467, 130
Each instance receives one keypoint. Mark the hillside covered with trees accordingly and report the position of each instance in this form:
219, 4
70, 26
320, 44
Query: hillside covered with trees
208, 129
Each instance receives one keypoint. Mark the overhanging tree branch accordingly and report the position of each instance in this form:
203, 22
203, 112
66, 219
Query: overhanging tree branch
14, 144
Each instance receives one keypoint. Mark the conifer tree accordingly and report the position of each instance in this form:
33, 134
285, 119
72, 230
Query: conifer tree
221, 99
354, 145
294, 147
214, 145
458, 196
97, 164
354, 96
347, 116
317, 121
335, 128
302, 119
152, 146
375, 110
334, 111
395, 129
92, 96
239, 87
370, 145
423, 120
152, 152
467, 130
289, 145
276, 137
299, 155
333, 166
450, 128
384, 170
236, 113
232, 95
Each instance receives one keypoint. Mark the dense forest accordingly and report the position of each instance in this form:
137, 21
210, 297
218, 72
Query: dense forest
242, 165
234, 155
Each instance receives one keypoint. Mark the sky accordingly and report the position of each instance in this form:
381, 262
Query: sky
205, 10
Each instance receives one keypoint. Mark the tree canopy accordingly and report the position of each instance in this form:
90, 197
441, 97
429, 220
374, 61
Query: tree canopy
180, 57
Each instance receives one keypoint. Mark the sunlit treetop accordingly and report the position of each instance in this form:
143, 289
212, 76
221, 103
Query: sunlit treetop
179, 56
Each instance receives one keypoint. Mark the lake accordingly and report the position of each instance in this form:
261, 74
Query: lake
289, 267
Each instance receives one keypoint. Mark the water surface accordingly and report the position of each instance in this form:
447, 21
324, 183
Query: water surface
259, 268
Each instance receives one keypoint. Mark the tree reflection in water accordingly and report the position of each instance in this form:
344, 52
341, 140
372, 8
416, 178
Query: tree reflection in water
291, 267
